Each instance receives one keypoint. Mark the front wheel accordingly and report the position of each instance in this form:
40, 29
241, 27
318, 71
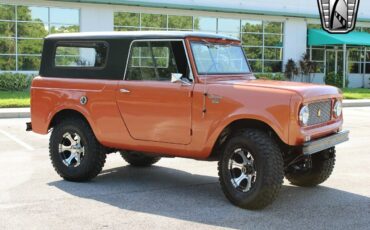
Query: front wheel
251, 169
321, 166
74, 151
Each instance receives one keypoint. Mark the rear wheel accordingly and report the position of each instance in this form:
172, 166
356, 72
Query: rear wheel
251, 169
139, 159
74, 151
314, 172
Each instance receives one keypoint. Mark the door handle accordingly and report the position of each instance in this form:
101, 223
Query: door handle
124, 91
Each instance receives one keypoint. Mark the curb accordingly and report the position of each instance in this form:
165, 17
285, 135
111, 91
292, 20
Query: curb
25, 112
356, 103
15, 113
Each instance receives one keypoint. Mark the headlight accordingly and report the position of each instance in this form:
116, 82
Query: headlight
304, 115
338, 109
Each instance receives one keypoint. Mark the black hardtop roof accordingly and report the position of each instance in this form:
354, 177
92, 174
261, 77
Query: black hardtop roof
133, 35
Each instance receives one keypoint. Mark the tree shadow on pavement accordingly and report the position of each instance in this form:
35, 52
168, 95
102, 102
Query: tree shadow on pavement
198, 198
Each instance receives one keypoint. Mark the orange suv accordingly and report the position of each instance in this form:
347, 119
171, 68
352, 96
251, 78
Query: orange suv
182, 94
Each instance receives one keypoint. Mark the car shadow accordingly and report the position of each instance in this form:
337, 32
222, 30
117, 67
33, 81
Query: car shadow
198, 198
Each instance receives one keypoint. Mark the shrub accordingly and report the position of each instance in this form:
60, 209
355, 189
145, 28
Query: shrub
14, 81
335, 80
270, 76
290, 69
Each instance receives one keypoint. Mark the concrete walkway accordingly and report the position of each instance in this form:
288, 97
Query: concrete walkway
25, 112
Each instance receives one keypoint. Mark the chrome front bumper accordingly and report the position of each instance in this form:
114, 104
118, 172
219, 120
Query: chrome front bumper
315, 146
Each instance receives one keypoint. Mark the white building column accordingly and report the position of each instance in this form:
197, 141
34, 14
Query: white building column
96, 19
295, 39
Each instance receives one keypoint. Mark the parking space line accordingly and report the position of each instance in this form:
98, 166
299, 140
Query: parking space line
26, 146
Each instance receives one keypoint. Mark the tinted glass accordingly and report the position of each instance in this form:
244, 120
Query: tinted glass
64, 16
7, 12
67, 56
151, 61
31, 13
228, 25
154, 20
205, 24
252, 26
126, 19
7, 46
180, 22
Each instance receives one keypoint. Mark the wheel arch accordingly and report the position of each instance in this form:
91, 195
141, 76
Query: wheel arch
239, 125
64, 114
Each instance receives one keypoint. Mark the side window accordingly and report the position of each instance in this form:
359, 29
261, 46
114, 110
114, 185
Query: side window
82, 55
155, 60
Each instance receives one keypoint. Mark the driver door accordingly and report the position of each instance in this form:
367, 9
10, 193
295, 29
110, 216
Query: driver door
152, 107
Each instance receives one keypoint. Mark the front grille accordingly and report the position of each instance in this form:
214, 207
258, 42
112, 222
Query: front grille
320, 112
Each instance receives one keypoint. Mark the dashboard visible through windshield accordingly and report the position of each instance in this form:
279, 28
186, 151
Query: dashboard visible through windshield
217, 58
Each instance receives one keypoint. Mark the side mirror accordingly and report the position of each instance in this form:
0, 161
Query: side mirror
177, 78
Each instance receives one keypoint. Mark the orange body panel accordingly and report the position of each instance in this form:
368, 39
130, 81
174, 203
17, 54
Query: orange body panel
168, 118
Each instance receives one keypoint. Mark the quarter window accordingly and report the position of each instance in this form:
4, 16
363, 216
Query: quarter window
81, 56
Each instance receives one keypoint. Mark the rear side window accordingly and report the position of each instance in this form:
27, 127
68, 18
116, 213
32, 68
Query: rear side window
81, 55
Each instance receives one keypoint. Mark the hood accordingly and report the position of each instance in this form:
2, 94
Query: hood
305, 90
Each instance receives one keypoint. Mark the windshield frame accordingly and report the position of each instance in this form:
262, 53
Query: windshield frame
220, 44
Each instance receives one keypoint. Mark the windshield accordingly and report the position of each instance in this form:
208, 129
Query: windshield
212, 58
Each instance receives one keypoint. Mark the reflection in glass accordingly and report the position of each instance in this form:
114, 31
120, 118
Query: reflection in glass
154, 20
32, 13
205, 24
253, 52
273, 27
29, 62
256, 65
318, 54
273, 40
125, 28
7, 12
30, 46
219, 59
64, 16
7, 29
180, 22
126, 19
228, 25
32, 30
355, 67
252, 39
7, 46
59, 28
32, 26
272, 66
273, 54
252, 26
80, 56
7, 62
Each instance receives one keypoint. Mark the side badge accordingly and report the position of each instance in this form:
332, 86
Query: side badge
83, 100
215, 98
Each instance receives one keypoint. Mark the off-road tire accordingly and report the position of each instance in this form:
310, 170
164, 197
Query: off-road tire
139, 159
322, 167
269, 167
94, 159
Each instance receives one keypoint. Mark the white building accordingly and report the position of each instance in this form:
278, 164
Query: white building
272, 31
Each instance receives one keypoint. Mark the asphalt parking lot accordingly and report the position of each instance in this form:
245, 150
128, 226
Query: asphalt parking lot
173, 194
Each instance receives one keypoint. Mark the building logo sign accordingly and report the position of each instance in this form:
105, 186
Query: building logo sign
338, 16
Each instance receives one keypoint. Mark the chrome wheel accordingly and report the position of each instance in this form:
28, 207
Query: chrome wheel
242, 169
71, 150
